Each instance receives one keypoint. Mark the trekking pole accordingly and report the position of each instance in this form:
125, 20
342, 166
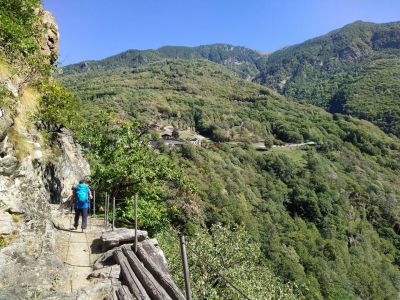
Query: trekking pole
94, 203
136, 222
185, 266
113, 219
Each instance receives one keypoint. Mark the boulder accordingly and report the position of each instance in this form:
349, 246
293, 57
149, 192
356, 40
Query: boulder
8, 165
107, 272
119, 236
106, 259
6, 223
60, 218
6, 122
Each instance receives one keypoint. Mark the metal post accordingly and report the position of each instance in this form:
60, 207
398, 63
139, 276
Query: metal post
185, 266
136, 222
94, 203
108, 209
113, 219
105, 209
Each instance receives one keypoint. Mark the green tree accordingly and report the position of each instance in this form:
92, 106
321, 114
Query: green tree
226, 254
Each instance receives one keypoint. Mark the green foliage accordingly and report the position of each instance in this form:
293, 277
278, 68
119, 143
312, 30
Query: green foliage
58, 107
21, 33
232, 254
123, 164
19, 26
5, 96
318, 212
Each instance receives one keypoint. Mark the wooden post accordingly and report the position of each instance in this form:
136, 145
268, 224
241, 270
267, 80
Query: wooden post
113, 219
185, 266
136, 222
94, 203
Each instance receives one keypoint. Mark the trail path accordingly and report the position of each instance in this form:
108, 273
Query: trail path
79, 251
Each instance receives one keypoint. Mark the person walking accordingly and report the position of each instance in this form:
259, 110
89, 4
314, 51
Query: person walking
82, 196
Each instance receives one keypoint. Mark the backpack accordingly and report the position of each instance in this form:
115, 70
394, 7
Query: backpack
82, 193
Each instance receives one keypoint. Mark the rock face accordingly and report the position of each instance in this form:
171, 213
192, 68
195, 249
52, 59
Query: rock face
29, 264
51, 37
67, 169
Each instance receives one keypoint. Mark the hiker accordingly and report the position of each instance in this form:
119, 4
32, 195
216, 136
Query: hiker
82, 196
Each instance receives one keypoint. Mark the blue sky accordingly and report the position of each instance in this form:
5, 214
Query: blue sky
94, 29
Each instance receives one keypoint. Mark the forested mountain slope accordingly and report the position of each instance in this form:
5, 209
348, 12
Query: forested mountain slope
352, 70
245, 62
326, 217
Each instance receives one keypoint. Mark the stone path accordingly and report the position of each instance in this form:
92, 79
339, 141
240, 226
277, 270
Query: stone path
79, 251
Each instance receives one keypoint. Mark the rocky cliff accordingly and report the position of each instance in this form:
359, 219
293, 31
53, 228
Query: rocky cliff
34, 172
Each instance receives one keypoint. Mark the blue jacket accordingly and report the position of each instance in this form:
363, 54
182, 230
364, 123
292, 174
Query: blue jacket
82, 196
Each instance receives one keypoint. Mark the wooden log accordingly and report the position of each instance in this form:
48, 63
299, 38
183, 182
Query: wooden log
123, 293
111, 239
129, 276
152, 287
162, 277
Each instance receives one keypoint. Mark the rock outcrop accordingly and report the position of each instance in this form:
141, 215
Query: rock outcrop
51, 36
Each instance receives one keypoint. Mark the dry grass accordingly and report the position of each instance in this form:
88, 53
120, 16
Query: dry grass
23, 123
16, 218
5, 240
26, 108
5, 71
22, 145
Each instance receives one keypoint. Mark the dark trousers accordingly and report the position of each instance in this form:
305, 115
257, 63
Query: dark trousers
84, 213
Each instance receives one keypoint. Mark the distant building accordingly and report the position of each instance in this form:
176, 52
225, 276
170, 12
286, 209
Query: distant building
153, 144
166, 136
195, 141
173, 143
155, 126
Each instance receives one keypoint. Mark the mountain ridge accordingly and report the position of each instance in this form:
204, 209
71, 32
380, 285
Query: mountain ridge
244, 61
340, 71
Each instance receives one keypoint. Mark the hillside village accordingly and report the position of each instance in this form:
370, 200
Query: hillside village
175, 138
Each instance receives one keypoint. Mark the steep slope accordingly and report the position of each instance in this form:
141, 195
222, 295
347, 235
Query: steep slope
352, 70
37, 167
327, 217
245, 62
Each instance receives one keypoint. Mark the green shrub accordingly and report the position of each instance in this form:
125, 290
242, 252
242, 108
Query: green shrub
19, 26
58, 107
